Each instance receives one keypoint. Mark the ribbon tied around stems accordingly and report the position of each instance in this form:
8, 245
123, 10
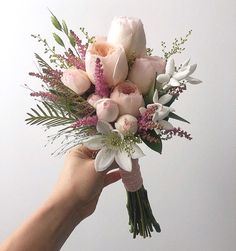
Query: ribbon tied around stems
133, 180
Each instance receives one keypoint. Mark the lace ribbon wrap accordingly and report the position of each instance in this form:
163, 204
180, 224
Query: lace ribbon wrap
133, 180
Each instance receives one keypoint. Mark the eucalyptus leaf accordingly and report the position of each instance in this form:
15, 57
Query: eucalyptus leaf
65, 28
58, 40
55, 22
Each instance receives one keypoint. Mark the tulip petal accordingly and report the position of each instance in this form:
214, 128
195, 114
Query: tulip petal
123, 160
104, 159
193, 81
103, 127
173, 82
165, 99
170, 66
163, 78
166, 125
155, 97
95, 142
138, 153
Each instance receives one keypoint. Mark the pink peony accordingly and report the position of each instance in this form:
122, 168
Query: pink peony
93, 98
128, 98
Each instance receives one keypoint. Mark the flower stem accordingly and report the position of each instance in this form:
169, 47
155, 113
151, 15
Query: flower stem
141, 220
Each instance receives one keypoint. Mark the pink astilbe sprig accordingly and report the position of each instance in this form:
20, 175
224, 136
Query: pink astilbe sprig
45, 95
101, 88
81, 47
86, 121
168, 134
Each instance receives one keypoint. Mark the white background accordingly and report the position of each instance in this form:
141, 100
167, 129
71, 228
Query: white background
192, 185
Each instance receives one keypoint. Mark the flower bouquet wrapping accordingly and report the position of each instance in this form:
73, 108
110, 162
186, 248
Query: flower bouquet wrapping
110, 94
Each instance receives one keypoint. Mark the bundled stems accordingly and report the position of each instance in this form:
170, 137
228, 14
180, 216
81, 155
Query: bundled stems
141, 220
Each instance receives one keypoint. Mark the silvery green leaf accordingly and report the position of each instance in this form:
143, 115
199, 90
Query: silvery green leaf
192, 68
55, 22
65, 28
58, 39
163, 78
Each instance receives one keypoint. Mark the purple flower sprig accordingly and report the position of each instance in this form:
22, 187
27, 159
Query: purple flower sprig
81, 47
101, 88
86, 121
168, 134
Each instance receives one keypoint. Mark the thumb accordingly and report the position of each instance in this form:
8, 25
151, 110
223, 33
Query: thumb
111, 178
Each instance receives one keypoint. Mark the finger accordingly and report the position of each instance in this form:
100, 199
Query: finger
112, 178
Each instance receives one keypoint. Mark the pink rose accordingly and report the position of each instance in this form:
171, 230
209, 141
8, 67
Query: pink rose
113, 60
77, 80
128, 98
144, 70
127, 124
107, 110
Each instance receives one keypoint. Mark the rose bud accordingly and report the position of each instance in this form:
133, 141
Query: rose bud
107, 110
128, 32
128, 98
112, 58
93, 98
77, 80
144, 70
127, 123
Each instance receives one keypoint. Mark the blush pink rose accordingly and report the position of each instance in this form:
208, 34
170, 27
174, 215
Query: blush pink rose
77, 80
144, 70
127, 124
128, 98
107, 110
112, 58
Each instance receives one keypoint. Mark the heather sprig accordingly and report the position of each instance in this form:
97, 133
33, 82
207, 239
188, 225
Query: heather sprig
168, 134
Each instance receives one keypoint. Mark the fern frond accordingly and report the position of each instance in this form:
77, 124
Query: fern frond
49, 115
42, 63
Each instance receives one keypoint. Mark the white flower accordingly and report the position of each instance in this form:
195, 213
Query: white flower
171, 78
110, 152
162, 111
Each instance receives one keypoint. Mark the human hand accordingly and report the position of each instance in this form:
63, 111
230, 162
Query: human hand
80, 184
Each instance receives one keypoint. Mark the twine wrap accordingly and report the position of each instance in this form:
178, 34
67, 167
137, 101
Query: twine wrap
133, 180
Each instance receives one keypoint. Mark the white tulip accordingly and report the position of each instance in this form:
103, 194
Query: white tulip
128, 32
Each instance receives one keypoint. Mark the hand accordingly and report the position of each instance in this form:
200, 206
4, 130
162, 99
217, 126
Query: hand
80, 183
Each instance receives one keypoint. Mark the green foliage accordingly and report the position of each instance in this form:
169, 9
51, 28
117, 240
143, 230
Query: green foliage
65, 28
177, 46
50, 115
58, 39
42, 63
155, 146
55, 22
89, 39
177, 117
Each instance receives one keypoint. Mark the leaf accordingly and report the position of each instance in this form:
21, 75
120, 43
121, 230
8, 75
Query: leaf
55, 22
177, 117
50, 115
157, 147
42, 63
58, 39
72, 40
65, 28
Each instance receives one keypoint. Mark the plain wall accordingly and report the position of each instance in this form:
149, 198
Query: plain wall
192, 185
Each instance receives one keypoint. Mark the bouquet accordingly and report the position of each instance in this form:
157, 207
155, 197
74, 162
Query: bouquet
111, 94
